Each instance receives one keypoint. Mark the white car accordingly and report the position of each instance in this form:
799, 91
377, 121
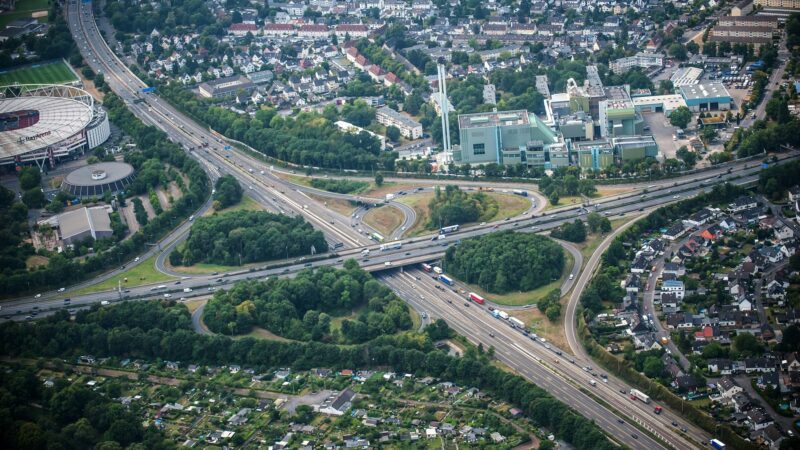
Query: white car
136, 259
38, 296
104, 302
62, 289
167, 295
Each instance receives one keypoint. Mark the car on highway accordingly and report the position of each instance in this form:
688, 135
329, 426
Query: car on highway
62, 289
634, 435
38, 296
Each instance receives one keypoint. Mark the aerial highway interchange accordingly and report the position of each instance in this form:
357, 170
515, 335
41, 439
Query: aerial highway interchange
565, 373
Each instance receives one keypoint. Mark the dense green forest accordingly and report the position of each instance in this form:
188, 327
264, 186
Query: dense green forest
301, 308
68, 416
506, 261
340, 186
242, 237
151, 145
13, 230
454, 206
307, 138
163, 330
227, 192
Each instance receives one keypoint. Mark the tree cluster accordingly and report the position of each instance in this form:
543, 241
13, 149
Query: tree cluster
228, 192
302, 308
598, 223
763, 137
68, 416
550, 305
574, 231
506, 261
306, 138
152, 330
341, 186
454, 206
243, 237
565, 183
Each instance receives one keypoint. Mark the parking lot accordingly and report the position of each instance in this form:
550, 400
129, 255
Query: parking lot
662, 132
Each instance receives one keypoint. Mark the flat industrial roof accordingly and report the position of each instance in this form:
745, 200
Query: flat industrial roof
59, 119
704, 90
493, 119
671, 101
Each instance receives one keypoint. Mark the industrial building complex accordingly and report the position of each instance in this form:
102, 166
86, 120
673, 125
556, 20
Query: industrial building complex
590, 125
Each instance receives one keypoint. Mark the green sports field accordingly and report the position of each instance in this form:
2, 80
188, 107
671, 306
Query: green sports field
53, 73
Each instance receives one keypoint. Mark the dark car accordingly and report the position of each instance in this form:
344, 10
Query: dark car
634, 435
466, 304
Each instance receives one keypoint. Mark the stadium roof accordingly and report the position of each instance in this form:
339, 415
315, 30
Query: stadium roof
60, 117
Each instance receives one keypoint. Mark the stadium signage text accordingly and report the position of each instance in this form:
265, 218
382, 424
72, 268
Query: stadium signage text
34, 137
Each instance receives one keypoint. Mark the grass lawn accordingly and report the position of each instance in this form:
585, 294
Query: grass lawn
341, 206
527, 297
261, 333
564, 201
54, 73
245, 204
420, 204
194, 303
509, 206
541, 325
35, 261
593, 240
25, 9
385, 219
144, 273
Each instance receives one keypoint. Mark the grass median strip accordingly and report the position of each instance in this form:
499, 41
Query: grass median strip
144, 273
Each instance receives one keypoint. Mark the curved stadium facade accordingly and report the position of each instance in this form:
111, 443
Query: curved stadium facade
45, 124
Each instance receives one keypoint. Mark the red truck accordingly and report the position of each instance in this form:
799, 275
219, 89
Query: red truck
477, 298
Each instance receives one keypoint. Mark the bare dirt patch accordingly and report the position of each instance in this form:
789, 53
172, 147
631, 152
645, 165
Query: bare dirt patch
36, 261
541, 325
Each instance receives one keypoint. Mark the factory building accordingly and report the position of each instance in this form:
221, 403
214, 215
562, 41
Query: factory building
706, 97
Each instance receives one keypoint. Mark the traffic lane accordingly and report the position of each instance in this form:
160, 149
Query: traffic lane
504, 333
457, 316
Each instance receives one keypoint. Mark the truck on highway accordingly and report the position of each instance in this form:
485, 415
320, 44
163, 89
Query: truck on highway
520, 192
658, 409
389, 197
516, 323
500, 314
187, 289
438, 270
376, 237
717, 444
450, 229
446, 280
477, 298
426, 267
637, 394
393, 246
593, 383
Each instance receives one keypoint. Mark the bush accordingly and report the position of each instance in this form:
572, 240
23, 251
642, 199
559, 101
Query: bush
228, 192
573, 232
340, 186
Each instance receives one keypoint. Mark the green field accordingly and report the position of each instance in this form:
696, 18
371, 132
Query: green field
53, 73
24, 9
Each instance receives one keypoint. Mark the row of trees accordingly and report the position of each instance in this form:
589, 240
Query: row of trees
151, 144
153, 330
243, 237
506, 261
454, 206
341, 186
302, 308
307, 138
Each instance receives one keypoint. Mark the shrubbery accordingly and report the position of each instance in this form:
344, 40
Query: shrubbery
340, 186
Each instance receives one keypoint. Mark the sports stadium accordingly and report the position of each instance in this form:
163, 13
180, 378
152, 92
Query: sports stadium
45, 123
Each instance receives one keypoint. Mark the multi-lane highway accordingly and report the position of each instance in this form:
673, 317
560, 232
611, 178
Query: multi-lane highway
565, 380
